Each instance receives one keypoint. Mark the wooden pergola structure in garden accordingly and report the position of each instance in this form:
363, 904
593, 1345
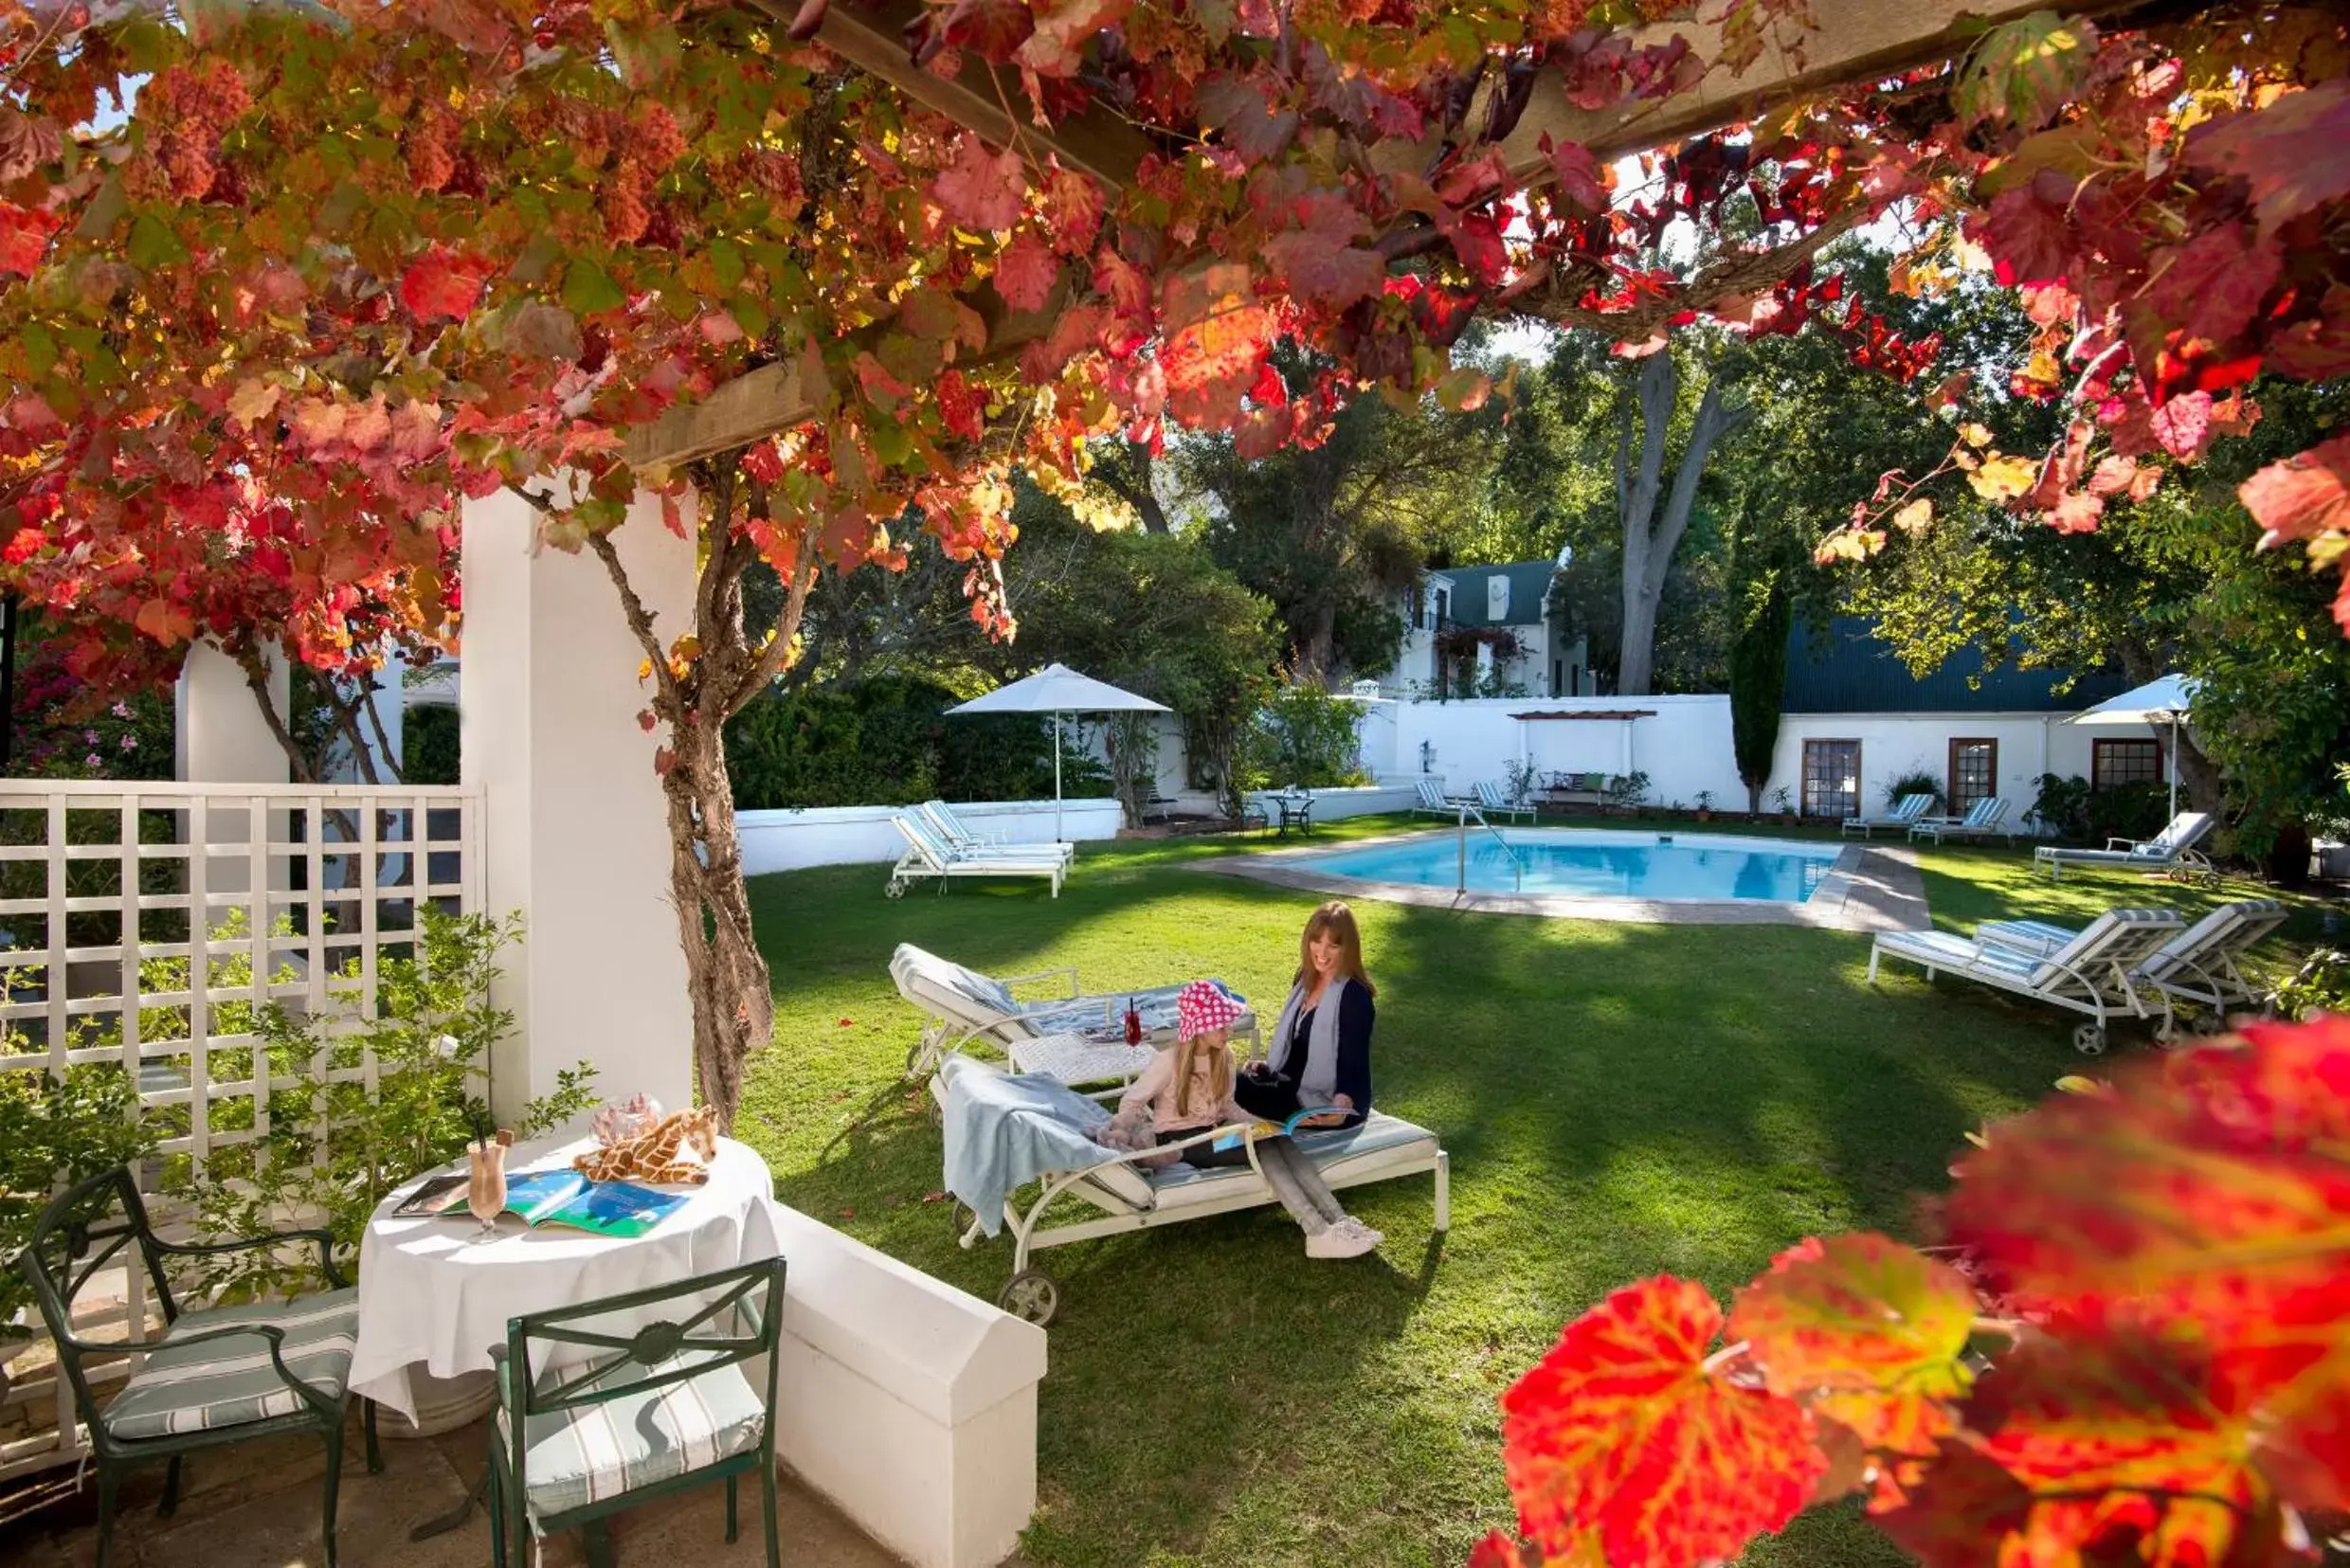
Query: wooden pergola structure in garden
1854, 41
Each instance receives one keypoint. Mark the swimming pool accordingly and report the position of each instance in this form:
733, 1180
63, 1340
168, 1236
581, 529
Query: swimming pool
1662, 868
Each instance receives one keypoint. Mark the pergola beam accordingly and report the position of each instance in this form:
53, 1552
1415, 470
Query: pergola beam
1856, 41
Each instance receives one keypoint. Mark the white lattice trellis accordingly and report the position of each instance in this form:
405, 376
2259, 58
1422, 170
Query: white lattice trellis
148, 924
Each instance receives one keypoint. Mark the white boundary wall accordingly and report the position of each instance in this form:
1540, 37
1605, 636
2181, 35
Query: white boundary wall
1685, 747
838, 836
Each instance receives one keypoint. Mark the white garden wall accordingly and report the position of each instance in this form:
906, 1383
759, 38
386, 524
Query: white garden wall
836, 835
1684, 746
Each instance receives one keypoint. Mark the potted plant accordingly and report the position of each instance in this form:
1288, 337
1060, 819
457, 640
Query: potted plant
1704, 805
1783, 803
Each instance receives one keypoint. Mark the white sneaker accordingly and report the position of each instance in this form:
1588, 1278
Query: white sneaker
1347, 1237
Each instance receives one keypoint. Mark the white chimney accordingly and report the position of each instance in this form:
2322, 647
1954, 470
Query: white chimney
1497, 597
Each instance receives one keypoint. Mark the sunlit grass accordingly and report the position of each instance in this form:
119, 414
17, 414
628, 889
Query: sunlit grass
1617, 1099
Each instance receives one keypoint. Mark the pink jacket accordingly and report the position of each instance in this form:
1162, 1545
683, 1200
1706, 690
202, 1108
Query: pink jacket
1154, 1091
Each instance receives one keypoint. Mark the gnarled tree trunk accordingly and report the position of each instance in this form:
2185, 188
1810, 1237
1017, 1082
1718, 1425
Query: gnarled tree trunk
1650, 538
727, 979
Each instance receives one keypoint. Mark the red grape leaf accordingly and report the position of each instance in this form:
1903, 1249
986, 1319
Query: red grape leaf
1025, 273
1623, 1434
2031, 240
2210, 1192
982, 190
442, 284
1072, 210
2184, 425
2295, 154
1866, 1330
24, 237
1320, 266
2304, 494
1212, 363
2117, 1434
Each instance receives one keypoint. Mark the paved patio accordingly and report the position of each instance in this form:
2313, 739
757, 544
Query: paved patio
256, 1506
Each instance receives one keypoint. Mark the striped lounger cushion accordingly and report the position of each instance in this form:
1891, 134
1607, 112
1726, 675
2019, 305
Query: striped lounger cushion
591, 1453
231, 1382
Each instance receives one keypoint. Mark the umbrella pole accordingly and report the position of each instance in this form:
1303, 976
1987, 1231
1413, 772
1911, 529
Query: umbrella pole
2174, 767
1056, 838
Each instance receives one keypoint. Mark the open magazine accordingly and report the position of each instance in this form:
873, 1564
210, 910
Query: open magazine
562, 1197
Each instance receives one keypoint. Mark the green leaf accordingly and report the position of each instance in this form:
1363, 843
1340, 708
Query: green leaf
107, 205
726, 263
891, 443
40, 348
589, 290
749, 315
152, 245
2023, 69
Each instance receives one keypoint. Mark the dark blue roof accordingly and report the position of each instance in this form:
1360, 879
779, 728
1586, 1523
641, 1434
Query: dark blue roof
1848, 671
1528, 582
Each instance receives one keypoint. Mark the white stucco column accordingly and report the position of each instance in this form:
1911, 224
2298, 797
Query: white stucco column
220, 736
573, 830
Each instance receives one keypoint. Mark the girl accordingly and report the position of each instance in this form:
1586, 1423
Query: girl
1187, 1088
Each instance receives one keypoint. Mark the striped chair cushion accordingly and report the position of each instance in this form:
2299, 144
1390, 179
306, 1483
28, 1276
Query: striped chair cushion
231, 1382
592, 1453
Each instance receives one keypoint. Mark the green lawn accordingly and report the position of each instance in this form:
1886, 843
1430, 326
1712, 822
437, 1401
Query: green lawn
1618, 1100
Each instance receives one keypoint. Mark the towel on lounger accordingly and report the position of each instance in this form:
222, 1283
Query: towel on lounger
1004, 1130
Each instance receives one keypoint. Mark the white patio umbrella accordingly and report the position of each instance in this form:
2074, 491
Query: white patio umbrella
1057, 690
2156, 702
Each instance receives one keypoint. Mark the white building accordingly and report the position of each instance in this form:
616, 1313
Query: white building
1497, 630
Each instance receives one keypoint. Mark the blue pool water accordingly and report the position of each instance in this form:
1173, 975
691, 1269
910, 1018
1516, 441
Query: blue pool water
1568, 862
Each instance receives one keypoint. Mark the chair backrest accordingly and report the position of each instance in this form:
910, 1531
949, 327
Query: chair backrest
1987, 811
1489, 795
2230, 929
2119, 937
941, 820
1430, 796
928, 846
82, 1231
571, 1357
2180, 834
1910, 807
946, 989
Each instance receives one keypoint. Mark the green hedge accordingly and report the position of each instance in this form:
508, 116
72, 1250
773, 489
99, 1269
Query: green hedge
428, 753
888, 741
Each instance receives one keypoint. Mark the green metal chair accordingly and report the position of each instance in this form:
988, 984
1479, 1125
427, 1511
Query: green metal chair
630, 1403
217, 1376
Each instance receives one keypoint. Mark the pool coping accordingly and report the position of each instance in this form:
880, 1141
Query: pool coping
1870, 888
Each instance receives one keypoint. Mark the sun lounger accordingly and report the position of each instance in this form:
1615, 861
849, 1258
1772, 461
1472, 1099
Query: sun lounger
1433, 801
961, 836
2088, 974
967, 1007
1980, 822
2171, 851
1491, 801
2197, 966
928, 854
1904, 814
1127, 1196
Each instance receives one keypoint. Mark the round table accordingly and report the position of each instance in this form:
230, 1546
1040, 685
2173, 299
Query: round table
431, 1293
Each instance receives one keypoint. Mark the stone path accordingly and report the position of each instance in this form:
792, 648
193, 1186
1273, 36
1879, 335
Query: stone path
256, 1506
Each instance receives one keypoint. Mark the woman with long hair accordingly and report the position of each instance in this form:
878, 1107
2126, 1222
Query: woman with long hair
1320, 1060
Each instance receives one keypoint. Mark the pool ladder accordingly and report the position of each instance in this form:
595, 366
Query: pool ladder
1469, 814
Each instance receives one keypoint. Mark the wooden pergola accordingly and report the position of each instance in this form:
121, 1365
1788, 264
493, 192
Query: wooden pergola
1855, 41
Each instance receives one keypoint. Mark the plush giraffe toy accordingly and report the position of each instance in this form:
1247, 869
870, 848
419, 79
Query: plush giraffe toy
653, 1154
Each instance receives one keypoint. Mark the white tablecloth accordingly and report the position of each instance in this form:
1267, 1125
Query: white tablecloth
430, 1292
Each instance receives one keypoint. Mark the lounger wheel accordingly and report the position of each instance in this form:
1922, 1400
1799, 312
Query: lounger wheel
1031, 1296
896, 888
2089, 1039
2208, 1023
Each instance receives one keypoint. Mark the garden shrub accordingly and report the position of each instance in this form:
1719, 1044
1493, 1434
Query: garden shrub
428, 746
888, 741
1306, 736
2077, 813
1917, 781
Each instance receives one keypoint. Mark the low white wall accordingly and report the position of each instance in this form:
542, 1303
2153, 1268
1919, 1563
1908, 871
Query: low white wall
1363, 801
834, 835
1685, 747
908, 1403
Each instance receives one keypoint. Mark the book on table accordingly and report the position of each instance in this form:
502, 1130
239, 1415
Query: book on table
557, 1197
604, 1208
